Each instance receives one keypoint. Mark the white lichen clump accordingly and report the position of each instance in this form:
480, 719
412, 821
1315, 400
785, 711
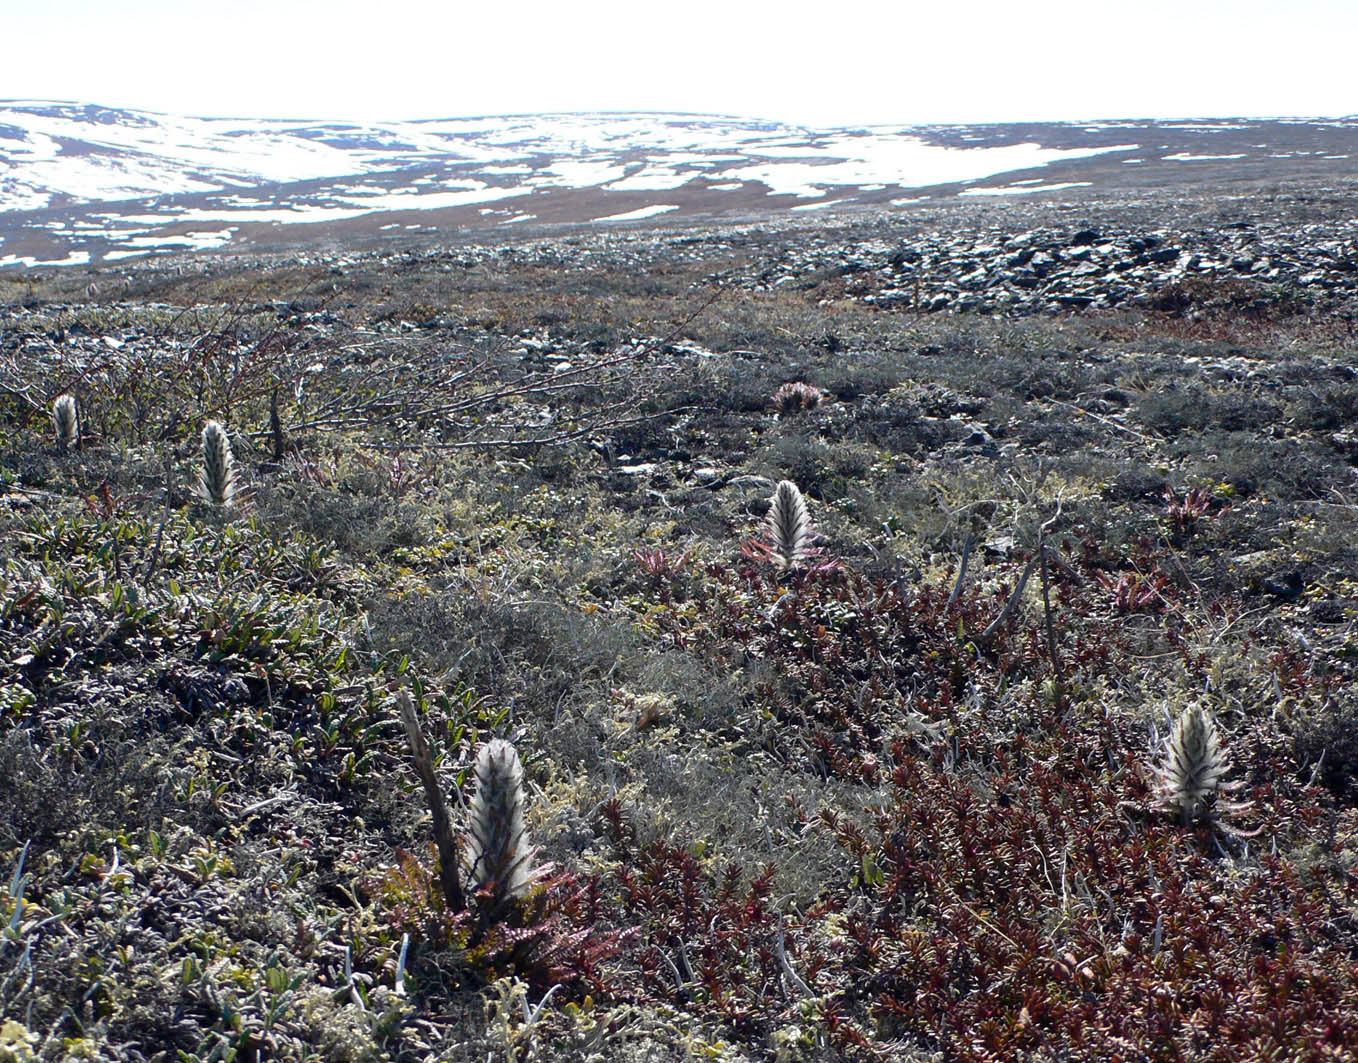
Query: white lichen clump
65, 421
497, 852
788, 527
217, 481
1195, 764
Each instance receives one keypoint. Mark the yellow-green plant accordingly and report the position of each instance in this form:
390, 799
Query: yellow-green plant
17, 1043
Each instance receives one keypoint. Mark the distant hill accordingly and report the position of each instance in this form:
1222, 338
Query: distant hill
83, 184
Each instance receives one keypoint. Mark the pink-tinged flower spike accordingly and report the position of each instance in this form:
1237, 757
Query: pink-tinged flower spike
1195, 764
65, 421
788, 527
497, 852
217, 482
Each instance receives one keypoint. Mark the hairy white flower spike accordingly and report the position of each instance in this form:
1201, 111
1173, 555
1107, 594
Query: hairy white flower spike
65, 421
497, 852
217, 481
788, 526
1195, 763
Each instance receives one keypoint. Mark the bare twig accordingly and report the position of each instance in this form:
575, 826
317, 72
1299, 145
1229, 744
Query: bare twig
961, 571
1051, 633
24, 393
1109, 422
1010, 605
280, 798
443, 827
276, 427
788, 972
551, 440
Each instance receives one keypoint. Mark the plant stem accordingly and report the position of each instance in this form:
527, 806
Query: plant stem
443, 827
1052, 653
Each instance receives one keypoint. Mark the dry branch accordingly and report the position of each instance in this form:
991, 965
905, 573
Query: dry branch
1010, 605
443, 826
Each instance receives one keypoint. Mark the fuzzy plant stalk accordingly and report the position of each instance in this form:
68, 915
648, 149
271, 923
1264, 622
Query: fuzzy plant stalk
217, 482
797, 395
496, 850
1194, 766
788, 527
66, 421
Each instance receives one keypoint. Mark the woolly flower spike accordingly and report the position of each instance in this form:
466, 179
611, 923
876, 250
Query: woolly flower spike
1194, 766
497, 853
788, 527
797, 395
217, 482
65, 421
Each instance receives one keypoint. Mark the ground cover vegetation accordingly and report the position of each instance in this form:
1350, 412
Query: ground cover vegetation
873, 683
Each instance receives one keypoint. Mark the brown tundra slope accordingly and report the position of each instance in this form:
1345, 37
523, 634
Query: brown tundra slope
1043, 747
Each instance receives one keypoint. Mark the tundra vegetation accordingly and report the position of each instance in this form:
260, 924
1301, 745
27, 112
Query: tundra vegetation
722, 594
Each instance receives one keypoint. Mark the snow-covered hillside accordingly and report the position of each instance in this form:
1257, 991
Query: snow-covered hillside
82, 183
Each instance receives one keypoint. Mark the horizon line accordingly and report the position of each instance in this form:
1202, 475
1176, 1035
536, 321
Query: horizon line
696, 114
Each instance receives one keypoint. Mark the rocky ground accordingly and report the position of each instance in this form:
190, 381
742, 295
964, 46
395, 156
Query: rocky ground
1039, 270
898, 803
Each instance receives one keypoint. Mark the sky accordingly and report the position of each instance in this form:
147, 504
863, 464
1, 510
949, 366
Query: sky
816, 64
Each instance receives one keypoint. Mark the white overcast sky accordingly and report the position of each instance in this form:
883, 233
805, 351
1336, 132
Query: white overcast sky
823, 63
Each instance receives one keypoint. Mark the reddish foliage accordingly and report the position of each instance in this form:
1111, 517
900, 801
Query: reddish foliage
706, 935
847, 648
1132, 592
554, 936
1013, 894
1041, 912
1030, 909
1186, 514
658, 565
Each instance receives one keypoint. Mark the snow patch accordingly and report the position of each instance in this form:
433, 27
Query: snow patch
1185, 156
75, 258
638, 215
1014, 190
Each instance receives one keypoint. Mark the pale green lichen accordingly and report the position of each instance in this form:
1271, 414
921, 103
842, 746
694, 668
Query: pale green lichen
17, 1043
